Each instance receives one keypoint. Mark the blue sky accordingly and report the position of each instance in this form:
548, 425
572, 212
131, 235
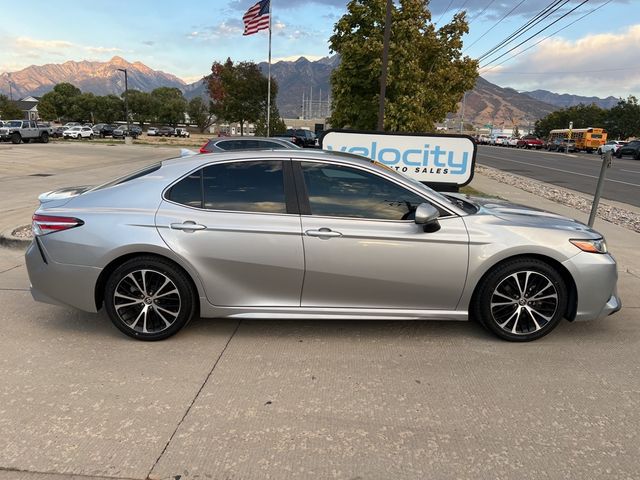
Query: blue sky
598, 55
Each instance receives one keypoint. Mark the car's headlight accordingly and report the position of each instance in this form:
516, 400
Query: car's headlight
591, 246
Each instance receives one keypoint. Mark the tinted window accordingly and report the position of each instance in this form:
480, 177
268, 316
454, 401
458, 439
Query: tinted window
347, 192
245, 186
188, 191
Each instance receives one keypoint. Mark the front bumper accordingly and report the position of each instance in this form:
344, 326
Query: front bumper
595, 277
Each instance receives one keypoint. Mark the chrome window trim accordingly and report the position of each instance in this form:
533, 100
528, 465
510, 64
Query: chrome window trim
389, 178
200, 167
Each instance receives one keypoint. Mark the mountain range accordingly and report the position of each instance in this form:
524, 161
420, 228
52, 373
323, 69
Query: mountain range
298, 80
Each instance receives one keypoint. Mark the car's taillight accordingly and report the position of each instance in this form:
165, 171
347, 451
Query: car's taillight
43, 224
203, 148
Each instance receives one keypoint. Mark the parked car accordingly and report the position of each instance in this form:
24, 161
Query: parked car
165, 132
301, 137
152, 131
105, 130
499, 140
246, 143
58, 132
78, 133
18, 131
530, 141
71, 124
611, 146
631, 149
567, 145
181, 132
517, 270
46, 126
122, 131
512, 142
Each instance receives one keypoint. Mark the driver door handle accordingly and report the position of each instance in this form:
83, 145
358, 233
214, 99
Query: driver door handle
323, 233
187, 226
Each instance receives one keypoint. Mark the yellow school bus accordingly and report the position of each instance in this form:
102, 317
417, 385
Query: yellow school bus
587, 139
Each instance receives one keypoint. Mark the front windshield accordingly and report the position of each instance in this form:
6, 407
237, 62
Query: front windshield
14, 124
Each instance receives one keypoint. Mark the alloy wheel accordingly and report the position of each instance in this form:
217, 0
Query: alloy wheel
147, 301
524, 302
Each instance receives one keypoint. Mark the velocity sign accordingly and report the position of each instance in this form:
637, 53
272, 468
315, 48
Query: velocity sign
433, 159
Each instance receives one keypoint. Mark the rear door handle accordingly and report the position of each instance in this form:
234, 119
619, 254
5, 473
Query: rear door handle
323, 233
188, 225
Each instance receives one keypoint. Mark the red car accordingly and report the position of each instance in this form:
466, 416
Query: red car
530, 141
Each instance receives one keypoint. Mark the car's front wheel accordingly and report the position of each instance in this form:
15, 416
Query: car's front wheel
149, 298
521, 300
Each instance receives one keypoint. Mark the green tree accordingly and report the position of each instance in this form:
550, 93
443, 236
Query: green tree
169, 105
276, 123
83, 108
427, 74
238, 92
582, 116
516, 132
623, 120
199, 113
59, 104
8, 109
109, 108
141, 106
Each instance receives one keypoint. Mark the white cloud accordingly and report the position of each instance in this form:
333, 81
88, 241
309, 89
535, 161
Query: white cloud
598, 64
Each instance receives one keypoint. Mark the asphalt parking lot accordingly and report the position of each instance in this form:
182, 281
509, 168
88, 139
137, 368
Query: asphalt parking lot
229, 399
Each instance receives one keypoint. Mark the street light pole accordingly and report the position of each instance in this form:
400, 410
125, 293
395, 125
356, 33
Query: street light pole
126, 98
385, 62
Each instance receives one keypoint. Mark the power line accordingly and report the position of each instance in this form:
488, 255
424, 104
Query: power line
538, 32
549, 36
495, 25
445, 11
480, 14
541, 16
462, 6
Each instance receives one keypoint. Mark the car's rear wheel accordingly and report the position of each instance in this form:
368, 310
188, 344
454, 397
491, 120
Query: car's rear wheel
44, 138
149, 298
26, 140
521, 300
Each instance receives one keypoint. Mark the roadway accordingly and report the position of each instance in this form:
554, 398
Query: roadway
577, 171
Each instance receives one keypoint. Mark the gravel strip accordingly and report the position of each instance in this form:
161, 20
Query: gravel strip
607, 212
24, 232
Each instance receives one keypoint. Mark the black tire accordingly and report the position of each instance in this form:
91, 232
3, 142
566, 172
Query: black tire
511, 315
16, 138
44, 138
599, 151
91, 136
26, 140
619, 154
637, 155
179, 308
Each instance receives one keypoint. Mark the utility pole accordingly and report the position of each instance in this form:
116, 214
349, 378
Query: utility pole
464, 103
126, 98
385, 63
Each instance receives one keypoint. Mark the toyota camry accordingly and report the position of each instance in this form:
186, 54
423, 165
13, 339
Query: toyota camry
310, 234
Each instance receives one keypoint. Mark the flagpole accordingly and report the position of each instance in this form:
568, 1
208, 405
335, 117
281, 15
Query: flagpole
269, 84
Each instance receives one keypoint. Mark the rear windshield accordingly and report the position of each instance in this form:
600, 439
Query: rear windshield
132, 176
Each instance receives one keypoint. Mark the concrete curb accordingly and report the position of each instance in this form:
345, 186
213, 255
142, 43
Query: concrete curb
9, 241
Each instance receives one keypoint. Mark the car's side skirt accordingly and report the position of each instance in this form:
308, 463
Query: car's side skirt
331, 313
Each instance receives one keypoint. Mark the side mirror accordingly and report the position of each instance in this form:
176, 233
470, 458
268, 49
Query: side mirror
427, 215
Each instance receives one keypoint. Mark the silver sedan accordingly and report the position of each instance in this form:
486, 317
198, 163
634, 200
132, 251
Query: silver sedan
310, 234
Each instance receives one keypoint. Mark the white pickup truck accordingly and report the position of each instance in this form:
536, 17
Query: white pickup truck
18, 131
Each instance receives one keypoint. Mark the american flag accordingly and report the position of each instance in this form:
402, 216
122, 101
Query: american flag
257, 17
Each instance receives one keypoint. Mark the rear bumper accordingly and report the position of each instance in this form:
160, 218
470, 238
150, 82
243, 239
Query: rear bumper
58, 283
